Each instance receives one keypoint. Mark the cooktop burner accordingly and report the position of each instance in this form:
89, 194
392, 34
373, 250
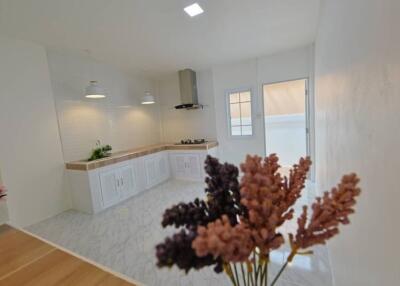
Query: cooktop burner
192, 141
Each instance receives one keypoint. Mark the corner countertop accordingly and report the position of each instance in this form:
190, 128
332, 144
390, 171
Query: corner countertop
117, 157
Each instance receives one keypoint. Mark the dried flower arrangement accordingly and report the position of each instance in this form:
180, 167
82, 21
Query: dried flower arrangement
236, 227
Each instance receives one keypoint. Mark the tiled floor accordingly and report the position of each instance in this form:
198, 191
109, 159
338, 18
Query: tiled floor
123, 238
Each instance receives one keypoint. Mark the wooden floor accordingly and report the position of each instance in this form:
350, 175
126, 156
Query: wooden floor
26, 260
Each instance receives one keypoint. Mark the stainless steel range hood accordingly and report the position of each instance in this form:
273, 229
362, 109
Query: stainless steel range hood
188, 90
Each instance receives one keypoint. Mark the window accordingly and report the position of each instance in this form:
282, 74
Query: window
240, 121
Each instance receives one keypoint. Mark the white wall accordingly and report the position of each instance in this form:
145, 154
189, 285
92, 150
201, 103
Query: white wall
30, 155
182, 124
358, 107
253, 74
235, 76
4, 218
119, 120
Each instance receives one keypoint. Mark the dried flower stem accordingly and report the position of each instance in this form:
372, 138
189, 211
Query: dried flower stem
250, 273
259, 272
264, 274
236, 274
288, 260
229, 273
255, 267
279, 273
243, 275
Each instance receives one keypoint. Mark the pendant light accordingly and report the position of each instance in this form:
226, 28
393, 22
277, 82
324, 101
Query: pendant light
148, 98
94, 91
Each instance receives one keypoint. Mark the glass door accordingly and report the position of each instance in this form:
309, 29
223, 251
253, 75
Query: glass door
286, 120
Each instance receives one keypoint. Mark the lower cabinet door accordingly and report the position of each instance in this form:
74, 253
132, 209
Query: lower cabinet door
151, 168
193, 168
127, 180
109, 188
178, 162
163, 167
186, 166
156, 168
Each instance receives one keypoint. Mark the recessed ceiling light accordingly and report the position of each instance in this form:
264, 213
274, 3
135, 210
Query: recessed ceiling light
193, 10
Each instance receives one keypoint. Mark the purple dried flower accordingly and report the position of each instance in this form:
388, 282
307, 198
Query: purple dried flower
223, 198
178, 250
223, 190
186, 214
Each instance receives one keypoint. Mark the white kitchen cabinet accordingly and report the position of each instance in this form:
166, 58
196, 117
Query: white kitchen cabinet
127, 184
163, 167
95, 190
151, 171
186, 166
193, 167
178, 163
157, 169
109, 183
117, 184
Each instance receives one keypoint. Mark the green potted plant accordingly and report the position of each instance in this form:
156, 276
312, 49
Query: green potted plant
100, 152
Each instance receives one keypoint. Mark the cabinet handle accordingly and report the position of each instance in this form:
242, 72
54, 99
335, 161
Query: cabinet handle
122, 181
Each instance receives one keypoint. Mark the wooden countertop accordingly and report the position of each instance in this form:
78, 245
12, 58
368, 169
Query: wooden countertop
27, 260
135, 153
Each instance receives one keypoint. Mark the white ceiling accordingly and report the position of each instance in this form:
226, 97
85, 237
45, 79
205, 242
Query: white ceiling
155, 36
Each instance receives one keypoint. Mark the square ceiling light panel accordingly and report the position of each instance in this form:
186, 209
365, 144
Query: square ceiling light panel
193, 10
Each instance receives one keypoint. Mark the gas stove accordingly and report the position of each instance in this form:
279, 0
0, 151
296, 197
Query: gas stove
192, 141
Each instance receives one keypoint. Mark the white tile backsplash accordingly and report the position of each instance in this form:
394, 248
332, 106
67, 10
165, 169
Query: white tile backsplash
119, 120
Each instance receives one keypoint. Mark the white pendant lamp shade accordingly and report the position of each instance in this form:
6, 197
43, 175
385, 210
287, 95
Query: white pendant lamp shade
94, 91
148, 98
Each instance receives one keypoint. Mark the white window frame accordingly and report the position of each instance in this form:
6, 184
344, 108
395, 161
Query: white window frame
228, 111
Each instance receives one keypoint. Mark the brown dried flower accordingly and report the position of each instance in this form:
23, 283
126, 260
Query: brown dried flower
328, 212
219, 238
268, 197
295, 184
